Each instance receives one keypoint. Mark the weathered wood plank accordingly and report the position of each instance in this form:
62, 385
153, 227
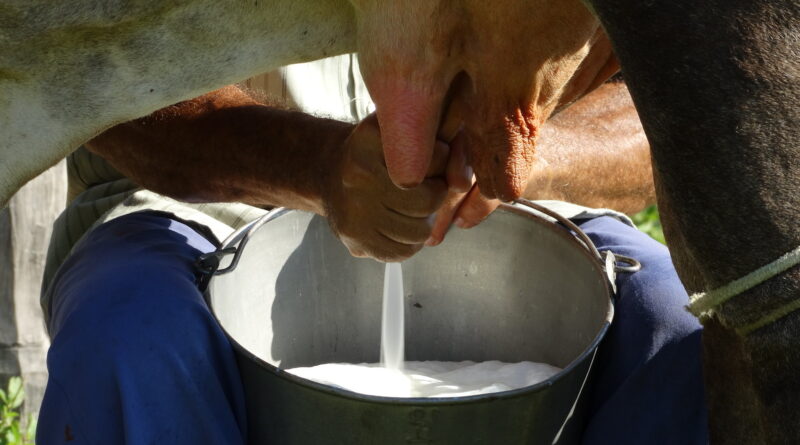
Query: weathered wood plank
25, 229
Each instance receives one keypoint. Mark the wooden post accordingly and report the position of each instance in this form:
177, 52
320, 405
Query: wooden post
25, 229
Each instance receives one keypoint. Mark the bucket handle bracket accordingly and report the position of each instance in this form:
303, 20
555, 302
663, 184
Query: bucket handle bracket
208, 264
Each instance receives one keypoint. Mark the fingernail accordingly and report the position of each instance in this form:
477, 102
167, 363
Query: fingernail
431, 241
460, 222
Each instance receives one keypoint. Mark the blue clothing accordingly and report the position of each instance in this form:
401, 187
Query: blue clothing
138, 359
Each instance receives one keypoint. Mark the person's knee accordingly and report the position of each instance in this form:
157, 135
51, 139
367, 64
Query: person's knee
130, 329
128, 293
137, 258
652, 299
136, 316
155, 336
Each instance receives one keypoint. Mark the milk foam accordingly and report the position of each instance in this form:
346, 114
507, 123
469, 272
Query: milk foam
429, 379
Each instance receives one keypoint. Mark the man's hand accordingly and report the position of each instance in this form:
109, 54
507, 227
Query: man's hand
465, 207
225, 146
371, 215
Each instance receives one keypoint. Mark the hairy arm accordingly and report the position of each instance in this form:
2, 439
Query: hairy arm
226, 146
595, 153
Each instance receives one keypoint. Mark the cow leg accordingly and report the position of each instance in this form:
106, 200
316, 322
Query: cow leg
715, 85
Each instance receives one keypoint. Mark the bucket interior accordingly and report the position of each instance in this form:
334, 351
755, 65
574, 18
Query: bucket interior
514, 288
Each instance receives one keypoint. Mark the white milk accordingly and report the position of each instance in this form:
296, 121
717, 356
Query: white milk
395, 378
429, 379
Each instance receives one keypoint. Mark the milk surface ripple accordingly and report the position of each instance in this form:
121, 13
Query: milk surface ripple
430, 378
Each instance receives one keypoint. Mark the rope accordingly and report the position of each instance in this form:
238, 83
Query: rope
702, 304
770, 317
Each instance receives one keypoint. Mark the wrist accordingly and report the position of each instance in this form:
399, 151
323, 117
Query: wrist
330, 165
291, 161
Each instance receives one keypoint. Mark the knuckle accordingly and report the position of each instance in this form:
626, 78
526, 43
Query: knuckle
354, 175
405, 252
474, 207
420, 231
362, 171
395, 253
409, 230
477, 209
419, 202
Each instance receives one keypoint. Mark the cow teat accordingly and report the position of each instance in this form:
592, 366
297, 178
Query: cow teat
517, 54
409, 53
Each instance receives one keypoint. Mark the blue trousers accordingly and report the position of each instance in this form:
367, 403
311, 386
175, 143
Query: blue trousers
137, 357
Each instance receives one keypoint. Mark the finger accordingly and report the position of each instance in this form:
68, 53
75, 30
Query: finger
387, 250
458, 172
444, 217
439, 160
406, 230
474, 209
364, 170
417, 202
372, 244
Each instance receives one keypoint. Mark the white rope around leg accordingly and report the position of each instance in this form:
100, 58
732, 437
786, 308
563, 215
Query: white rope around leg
702, 304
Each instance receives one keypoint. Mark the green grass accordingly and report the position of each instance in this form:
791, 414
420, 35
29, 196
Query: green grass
649, 222
12, 430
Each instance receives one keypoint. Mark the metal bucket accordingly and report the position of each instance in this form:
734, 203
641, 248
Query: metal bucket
517, 287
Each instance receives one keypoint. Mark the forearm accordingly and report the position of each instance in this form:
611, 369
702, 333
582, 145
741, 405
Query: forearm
225, 146
595, 153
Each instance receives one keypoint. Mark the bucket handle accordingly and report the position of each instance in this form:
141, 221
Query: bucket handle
606, 257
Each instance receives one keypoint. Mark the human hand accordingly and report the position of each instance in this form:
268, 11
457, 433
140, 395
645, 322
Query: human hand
464, 205
371, 215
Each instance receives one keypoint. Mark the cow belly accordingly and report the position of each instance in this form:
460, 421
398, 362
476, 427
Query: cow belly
71, 69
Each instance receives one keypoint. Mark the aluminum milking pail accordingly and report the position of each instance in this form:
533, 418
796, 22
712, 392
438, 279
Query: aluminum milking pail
517, 287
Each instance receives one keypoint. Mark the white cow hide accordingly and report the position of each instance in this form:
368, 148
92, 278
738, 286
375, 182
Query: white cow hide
70, 69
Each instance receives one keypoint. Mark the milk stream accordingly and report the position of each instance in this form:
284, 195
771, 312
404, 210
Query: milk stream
393, 319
